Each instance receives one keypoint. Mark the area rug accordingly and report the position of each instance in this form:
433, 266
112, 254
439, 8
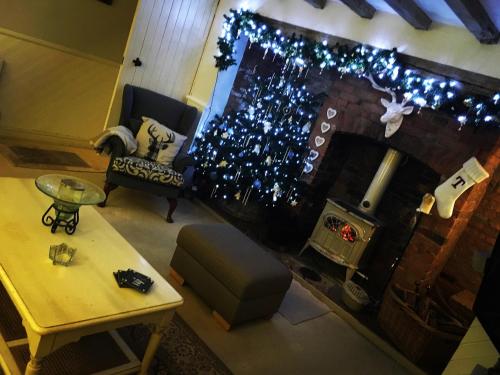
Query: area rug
35, 158
181, 351
299, 305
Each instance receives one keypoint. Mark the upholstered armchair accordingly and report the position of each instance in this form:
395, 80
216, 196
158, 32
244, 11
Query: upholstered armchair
146, 175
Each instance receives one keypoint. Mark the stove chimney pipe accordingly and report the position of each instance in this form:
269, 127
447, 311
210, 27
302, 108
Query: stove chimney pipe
380, 181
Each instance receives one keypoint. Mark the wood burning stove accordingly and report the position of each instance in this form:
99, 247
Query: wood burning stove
343, 232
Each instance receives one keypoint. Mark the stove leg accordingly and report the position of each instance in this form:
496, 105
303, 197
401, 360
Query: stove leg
349, 273
304, 248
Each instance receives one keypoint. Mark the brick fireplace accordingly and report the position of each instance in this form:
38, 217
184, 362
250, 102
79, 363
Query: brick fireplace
436, 149
433, 150
432, 254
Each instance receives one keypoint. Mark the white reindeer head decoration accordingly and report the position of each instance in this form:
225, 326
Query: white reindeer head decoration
393, 117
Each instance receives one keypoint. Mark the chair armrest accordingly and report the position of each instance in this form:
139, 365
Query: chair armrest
181, 162
116, 146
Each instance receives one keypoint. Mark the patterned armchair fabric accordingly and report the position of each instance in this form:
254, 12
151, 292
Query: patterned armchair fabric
147, 170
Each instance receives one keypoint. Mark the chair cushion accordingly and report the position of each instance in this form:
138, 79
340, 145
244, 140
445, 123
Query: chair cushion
234, 260
147, 170
156, 142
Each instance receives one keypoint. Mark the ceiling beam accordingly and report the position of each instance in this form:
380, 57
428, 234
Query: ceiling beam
361, 7
476, 19
411, 12
320, 4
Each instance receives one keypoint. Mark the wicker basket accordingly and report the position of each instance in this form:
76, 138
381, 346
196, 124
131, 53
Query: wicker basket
421, 343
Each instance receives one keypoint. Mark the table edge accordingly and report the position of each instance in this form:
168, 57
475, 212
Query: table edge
26, 315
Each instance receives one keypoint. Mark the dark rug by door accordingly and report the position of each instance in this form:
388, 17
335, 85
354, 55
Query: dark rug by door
29, 157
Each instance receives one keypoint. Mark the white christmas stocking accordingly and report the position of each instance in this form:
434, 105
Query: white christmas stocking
448, 192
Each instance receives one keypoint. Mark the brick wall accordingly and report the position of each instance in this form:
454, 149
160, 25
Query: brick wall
478, 237
429, 136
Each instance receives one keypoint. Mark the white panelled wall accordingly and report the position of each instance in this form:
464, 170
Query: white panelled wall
61, 60
168, 37
52, 94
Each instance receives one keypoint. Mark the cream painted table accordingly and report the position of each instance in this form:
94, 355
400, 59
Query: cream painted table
58, 304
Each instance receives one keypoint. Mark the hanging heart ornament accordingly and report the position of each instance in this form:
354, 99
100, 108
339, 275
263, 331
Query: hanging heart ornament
313, 155
325, 127
318, 141
331, 113
308, 167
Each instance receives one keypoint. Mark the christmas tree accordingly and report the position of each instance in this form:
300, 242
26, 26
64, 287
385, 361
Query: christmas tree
258, 153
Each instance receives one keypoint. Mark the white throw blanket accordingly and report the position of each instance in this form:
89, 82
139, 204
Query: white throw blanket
122, 132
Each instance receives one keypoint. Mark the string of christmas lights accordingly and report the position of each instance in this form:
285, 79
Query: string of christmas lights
363, 61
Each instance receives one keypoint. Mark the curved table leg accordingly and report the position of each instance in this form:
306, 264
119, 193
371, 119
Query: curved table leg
34, 366
40, 346
154, 342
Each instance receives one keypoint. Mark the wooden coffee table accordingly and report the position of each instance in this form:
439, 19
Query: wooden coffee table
58, 304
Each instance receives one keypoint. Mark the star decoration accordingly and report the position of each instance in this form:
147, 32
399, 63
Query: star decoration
293, 203
223, 164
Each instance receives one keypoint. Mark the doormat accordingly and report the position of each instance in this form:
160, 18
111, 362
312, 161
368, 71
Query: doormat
35, 158
299, 305
181, 351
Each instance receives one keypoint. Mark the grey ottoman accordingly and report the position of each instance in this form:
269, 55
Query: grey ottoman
235, 277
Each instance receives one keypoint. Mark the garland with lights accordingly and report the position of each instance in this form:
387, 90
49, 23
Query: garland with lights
362, 61
258, 152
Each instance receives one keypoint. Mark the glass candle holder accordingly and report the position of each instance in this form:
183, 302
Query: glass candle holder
61, 254
71, 190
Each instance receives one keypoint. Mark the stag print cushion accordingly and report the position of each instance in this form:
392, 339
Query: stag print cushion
158, 143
